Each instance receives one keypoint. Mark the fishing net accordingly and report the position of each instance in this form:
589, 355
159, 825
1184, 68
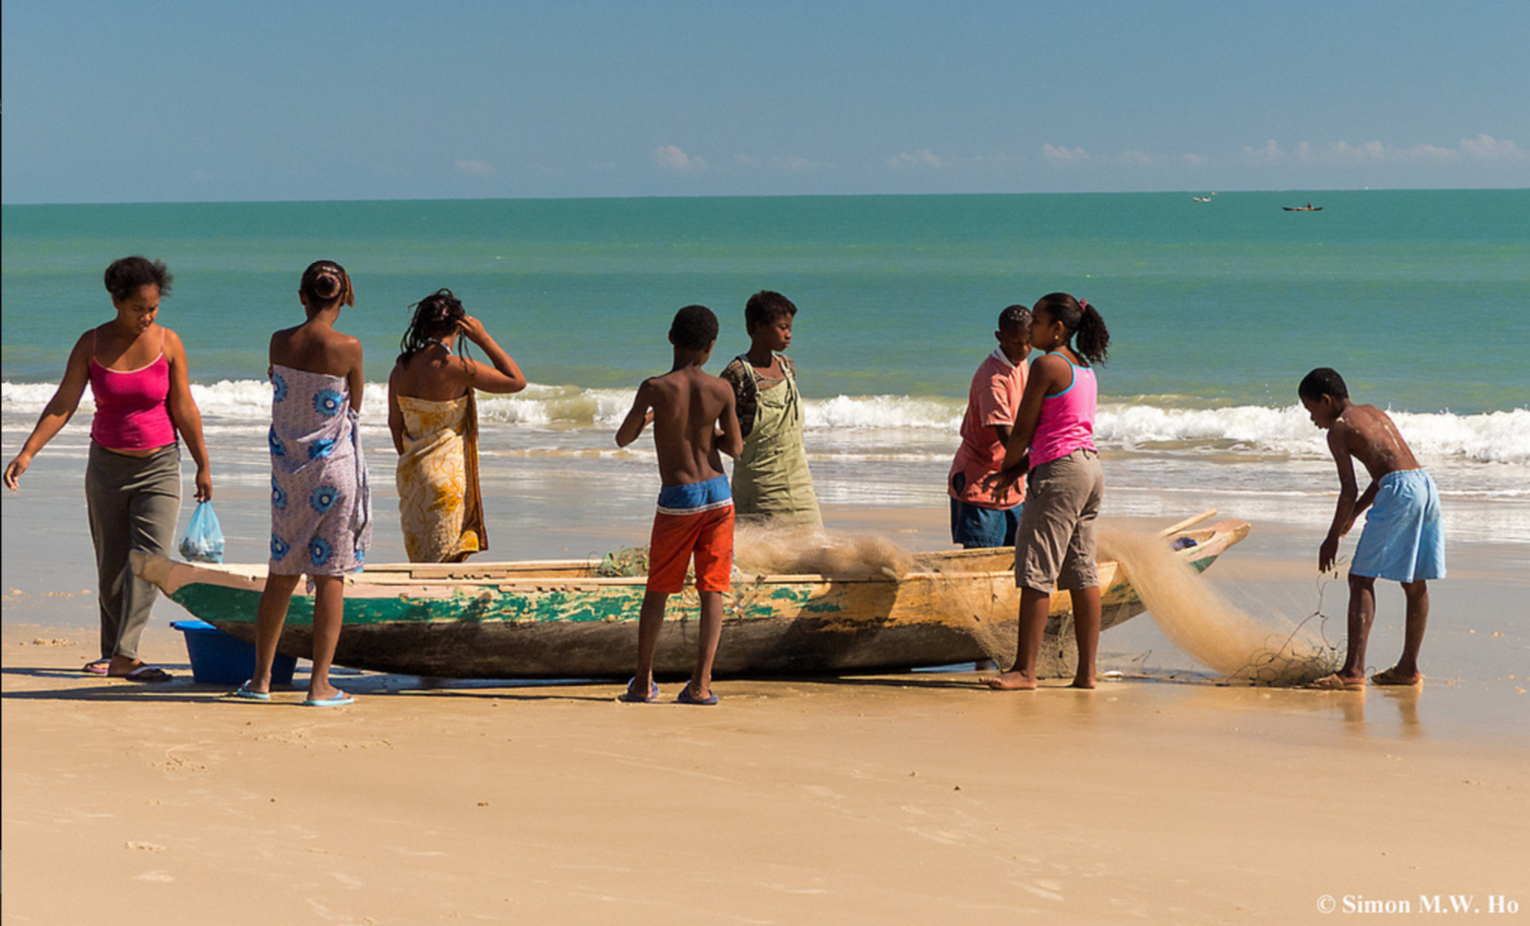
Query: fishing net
1268, 651
787, 550
987, 606
798, 550
626, 563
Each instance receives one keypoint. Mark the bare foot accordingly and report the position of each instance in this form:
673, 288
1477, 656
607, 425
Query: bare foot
1011, 681
1082, 682
1394, 676
1337, 682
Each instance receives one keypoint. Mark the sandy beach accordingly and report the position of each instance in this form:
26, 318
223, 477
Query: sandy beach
921, 797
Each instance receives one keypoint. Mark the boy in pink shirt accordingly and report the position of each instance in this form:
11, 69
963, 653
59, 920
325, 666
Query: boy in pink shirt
978, 519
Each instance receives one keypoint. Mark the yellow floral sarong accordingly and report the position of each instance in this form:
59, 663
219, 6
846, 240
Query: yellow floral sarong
440, 503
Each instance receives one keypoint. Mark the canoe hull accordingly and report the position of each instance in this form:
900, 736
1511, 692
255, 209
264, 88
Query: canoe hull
556, 620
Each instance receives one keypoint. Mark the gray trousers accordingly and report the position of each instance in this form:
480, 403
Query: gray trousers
133, 504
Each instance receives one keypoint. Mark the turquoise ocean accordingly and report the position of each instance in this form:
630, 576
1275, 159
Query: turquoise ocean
1216, 310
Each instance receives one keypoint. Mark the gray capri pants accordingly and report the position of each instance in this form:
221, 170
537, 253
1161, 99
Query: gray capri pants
1054, 547
133, 504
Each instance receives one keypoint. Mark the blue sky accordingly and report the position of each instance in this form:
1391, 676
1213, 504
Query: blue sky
196, 101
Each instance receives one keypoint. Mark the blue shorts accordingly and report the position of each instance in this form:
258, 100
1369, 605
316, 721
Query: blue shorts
1404, 539
695, 497
975, 527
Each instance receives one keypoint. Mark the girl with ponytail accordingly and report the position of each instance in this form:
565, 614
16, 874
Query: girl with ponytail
1053, 446
433, 416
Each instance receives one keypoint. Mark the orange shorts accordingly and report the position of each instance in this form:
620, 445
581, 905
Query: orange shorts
708, 534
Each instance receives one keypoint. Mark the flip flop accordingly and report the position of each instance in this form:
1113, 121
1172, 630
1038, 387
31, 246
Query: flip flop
340, 699
97, 667
686, 697
151, 675
631, 697
245, 693
1390, 678
1335, 683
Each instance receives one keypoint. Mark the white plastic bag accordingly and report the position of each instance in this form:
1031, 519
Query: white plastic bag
203, 540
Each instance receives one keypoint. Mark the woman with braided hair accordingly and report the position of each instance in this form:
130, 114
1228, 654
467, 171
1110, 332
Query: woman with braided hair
433, 417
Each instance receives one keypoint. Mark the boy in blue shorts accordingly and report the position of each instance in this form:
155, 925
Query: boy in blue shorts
978, 518
1403, 539
693, 424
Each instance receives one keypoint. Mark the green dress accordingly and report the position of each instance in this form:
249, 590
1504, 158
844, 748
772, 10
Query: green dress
771, 479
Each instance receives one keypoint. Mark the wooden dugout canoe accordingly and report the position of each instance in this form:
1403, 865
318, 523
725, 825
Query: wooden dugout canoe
557, 619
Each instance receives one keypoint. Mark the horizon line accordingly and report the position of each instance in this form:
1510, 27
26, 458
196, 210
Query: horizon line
706, 196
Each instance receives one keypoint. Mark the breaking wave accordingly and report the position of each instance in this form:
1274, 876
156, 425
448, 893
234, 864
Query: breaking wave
1490, 437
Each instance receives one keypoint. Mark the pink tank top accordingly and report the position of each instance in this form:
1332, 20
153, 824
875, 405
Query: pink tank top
1067, 419
132, 408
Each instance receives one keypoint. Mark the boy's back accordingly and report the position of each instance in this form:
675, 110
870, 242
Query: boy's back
688, 405
1371, 437
689, 408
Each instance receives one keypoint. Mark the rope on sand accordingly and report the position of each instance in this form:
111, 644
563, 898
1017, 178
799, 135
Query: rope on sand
1285, 665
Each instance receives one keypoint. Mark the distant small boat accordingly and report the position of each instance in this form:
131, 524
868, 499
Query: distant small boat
1201, 199
1307, 208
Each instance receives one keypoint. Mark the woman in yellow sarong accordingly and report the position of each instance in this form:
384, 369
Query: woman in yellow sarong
434, 420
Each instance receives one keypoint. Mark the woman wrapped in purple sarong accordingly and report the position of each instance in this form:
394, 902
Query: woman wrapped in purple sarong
321, 509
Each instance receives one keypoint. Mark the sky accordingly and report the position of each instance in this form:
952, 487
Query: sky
176, 101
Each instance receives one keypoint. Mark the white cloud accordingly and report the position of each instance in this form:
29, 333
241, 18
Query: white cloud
1270, 153
746, 160
474, 168
924, 157
1063, 153
671, 157
1136, 157
1487, 148
1343, 153
1433, 153
1193, 160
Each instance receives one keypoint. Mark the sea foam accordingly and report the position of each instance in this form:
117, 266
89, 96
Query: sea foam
1490, 437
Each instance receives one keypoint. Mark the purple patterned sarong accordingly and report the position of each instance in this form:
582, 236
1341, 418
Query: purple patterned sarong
321, 506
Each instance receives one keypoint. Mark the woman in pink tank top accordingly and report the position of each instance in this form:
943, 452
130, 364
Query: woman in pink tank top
1053, 446
136, 371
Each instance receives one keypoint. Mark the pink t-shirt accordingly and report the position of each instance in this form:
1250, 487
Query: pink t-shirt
993, 399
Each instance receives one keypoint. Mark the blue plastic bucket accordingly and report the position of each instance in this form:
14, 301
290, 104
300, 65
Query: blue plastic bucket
219, 659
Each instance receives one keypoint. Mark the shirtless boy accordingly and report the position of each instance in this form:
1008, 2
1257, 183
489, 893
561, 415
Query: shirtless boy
693, 423
1403, 539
